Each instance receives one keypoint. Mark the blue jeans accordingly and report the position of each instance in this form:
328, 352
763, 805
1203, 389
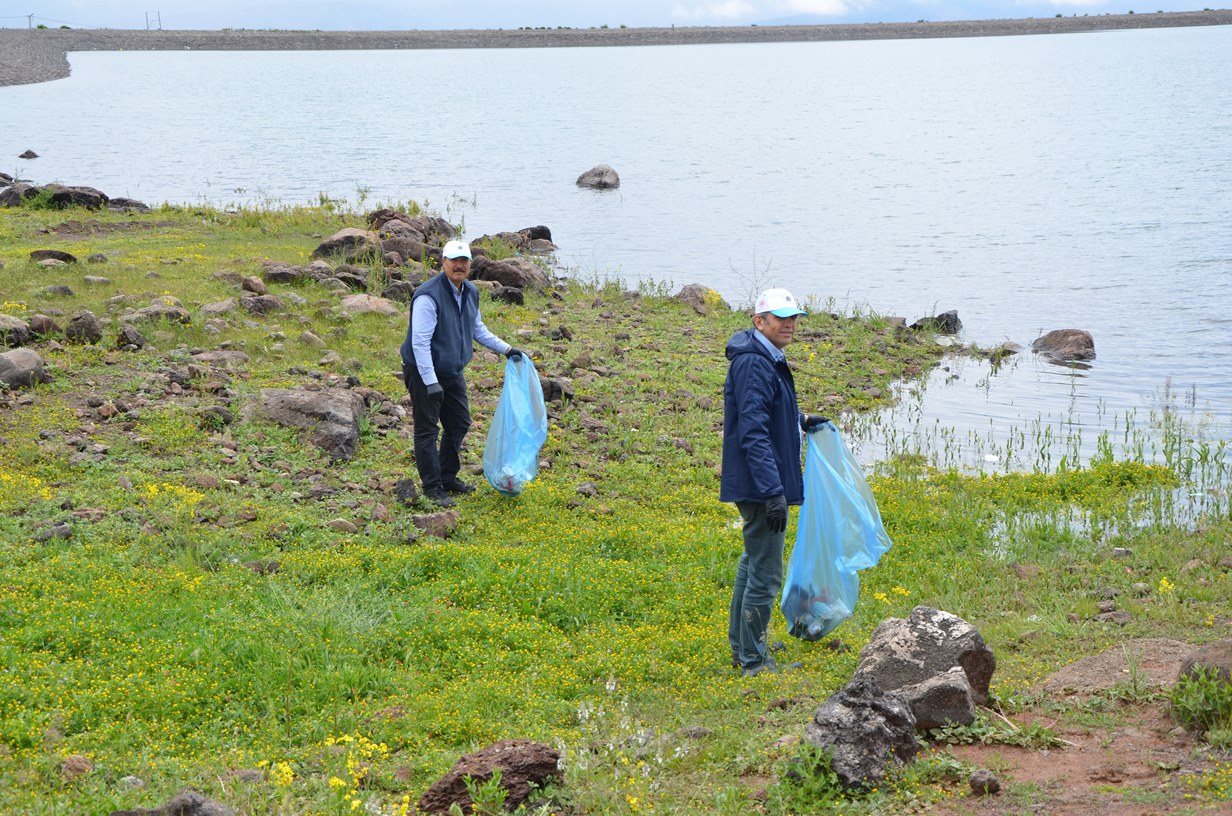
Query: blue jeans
759, 577
450, 419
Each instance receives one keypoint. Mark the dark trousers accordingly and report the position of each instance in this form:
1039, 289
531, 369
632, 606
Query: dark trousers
450, 418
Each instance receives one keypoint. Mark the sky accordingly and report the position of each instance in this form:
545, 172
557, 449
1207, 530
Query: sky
438, 14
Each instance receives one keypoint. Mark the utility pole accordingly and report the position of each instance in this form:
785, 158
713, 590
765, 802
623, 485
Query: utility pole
29, 21
153, 20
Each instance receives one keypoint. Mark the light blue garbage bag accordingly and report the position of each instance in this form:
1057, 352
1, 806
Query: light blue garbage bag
839, 533
519, 429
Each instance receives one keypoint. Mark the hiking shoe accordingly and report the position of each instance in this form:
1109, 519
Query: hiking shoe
735, 660
458, 487
767, 666
438, 496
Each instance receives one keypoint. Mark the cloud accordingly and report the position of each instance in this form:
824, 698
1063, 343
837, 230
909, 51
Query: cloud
826, 8
726, 10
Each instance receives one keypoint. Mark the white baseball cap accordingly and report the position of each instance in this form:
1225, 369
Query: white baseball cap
456, 249
778, 302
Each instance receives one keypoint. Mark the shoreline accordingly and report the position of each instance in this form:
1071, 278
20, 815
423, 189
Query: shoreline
29, 56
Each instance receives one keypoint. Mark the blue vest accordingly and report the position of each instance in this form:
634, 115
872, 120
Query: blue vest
453, 342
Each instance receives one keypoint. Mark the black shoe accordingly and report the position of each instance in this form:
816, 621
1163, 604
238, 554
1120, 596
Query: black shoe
768, 666
458, 487
438, 496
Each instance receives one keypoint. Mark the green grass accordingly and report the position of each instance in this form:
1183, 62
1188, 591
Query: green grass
366, 664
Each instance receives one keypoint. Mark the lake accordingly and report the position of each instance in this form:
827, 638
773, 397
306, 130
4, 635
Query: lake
1030, 183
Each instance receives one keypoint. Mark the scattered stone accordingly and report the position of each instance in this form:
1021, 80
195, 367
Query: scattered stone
41, 326
864, 729
53, 255
186, 803
944, 323
440, 525
524, 765
309, 339
129, 339
984, 783
370, 304
331, 415
255, 285
221, 307
29, 154
340, 525
160, 308
13, 331
132, 782
75, 765
262, 304
405, 491
926, 644
97, 258
22, 368
1214, 658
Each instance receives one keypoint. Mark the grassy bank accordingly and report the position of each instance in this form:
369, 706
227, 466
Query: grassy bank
589, 613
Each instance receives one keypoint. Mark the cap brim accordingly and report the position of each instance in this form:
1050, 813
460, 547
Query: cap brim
458, 255
788, 312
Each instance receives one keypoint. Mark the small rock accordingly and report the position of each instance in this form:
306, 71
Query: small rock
984, 783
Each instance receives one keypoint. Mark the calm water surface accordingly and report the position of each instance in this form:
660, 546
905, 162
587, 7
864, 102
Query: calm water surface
1031, 183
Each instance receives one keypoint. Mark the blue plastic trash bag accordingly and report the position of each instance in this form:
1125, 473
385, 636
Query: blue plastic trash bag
839, 533
519, 429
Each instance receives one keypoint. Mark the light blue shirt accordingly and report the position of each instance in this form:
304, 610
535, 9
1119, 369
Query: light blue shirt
423, 322
776, 353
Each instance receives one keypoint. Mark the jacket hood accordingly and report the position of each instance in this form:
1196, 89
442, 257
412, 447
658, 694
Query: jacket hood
743, 342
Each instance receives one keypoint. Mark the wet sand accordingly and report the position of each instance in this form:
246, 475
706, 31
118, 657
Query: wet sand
41, 55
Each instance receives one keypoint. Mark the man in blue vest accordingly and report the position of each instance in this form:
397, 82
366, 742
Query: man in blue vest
761, 468
440, 338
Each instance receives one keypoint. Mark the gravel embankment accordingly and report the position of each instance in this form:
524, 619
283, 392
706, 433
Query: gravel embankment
40, 55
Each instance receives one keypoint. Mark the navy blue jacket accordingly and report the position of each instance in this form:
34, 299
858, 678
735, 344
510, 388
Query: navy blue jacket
453, 342
761, 426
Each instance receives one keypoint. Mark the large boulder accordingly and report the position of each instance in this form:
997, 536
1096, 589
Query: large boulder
599, 177
409, 248
523, 765
701, 297
63, 196
22, 368
14, 195
864, 729
905, 652
330, 415
350, 243
1066, 345
517, 272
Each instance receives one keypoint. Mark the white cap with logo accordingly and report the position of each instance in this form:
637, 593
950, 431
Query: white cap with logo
778, 302
456, 249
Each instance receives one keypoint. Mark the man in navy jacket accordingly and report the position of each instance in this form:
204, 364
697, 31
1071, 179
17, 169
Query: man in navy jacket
761, 467
440, 339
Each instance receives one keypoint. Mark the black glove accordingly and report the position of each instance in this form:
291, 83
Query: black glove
514, 353
436, 393
812, 422
776, 513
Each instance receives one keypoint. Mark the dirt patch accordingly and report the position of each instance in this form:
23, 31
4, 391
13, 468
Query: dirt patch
78, 230
1120, 758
